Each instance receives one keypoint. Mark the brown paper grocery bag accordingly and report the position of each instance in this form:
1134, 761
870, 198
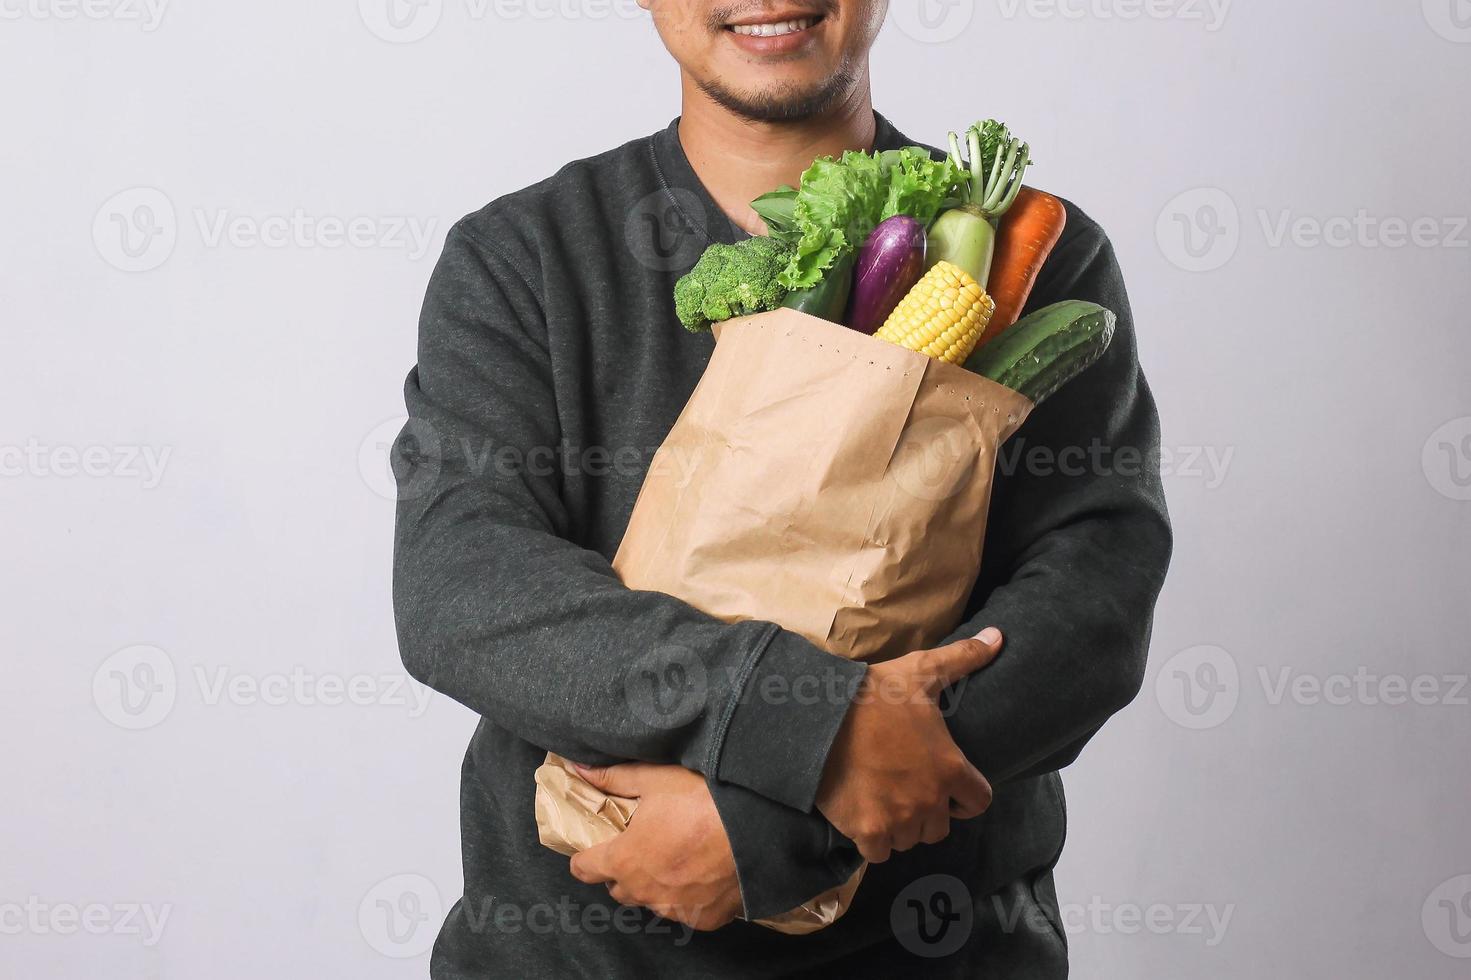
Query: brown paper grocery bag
820, 479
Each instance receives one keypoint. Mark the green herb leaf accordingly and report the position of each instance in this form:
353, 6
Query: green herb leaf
778, 209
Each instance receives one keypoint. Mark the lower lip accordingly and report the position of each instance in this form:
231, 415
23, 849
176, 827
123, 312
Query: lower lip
780, 44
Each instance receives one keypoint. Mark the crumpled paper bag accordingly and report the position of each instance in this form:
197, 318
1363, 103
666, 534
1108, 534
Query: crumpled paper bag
831, 483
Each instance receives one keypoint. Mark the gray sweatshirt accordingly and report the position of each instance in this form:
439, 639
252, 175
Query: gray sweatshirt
550, 368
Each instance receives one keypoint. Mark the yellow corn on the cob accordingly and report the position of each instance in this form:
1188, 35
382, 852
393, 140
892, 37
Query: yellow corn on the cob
942, 316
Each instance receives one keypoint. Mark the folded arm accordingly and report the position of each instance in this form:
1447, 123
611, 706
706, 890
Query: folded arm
498, 607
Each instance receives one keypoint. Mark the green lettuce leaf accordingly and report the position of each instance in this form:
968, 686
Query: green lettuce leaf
919, 185
840, 201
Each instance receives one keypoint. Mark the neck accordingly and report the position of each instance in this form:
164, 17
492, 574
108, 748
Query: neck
738, 160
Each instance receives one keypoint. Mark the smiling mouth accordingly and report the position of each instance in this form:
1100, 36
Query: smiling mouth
777, 29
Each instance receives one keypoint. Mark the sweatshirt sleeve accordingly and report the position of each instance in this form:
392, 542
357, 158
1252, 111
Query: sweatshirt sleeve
497, 607
783, 857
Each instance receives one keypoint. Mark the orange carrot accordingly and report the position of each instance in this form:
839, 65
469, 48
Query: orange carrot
1026, 237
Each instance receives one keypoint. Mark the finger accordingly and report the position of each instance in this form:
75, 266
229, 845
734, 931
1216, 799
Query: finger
907, 835
677, 913
621, 894
875, 850
935, 830
596, 864
970, 794
698, 918
624, 779
952, 663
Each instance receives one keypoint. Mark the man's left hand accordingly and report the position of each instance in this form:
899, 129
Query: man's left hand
675, 857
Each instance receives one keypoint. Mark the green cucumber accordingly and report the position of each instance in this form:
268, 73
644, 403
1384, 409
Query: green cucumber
828, 300
1044, 351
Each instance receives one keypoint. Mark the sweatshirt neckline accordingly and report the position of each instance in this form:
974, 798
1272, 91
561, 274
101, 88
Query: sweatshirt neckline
678, 180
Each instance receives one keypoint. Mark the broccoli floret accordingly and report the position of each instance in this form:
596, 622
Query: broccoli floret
731, 280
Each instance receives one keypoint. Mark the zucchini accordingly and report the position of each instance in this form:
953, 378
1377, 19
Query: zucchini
828, 300
1044, 351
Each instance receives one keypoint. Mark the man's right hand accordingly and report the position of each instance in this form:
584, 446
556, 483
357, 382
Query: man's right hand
895, 777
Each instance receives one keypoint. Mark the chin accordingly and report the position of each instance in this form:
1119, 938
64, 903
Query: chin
783, 99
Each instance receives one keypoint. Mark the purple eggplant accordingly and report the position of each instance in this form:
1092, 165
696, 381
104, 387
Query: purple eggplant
890, 262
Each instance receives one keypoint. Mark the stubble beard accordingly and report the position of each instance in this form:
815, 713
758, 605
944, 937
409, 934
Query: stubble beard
785, 103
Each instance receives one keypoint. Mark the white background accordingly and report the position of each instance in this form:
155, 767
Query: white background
1328, 537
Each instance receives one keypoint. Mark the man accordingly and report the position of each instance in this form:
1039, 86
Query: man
550, 365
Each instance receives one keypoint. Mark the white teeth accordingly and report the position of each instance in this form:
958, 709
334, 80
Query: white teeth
774, 30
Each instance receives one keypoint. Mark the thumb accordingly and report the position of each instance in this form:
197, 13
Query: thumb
954, 662
624, 779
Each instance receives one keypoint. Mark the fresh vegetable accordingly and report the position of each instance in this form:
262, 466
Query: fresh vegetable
732, 280
889, 264
918, 185
991, 180
828, 300
942, 316
840, 201
778, 209
1047, 349
1027, 236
